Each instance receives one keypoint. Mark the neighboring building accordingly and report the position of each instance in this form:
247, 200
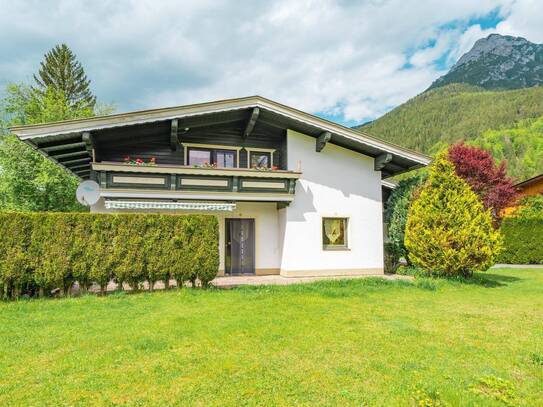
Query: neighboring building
294, 194
530, 187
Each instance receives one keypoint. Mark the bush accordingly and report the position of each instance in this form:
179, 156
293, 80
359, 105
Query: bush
15, 262
398, 205
523, 240
40, 252
448, 232
530, 207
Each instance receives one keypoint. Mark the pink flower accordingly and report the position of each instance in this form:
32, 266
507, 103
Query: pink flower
126, 159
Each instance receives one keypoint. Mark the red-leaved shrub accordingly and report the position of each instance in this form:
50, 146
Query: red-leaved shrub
487, 179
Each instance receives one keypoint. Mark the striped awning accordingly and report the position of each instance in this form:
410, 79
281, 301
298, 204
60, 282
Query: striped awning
193, 206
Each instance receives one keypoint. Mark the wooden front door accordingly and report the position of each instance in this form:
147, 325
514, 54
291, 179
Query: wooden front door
240, 246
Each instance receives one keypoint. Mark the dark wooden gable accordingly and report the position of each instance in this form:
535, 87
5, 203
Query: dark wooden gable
154, 139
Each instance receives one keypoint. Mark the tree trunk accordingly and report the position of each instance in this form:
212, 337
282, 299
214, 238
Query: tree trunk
40, 292
167, 283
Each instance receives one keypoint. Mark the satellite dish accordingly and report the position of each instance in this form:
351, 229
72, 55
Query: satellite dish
88, 193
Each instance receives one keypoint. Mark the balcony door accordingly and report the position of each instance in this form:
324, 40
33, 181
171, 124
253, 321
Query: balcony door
240, 246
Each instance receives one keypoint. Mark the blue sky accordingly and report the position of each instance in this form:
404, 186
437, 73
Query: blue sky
349, 61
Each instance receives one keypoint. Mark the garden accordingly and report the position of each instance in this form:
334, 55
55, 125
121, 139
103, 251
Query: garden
460, 216
367, 342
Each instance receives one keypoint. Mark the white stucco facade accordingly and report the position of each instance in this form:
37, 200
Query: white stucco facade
335, 182
267, 240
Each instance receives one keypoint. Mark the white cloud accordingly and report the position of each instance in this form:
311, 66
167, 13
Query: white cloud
354, 59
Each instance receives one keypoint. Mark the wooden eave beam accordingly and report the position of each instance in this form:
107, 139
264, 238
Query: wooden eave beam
79, 167
251, 123
174, 140
56, 143
322, 140
71, 154
60, 153
62, 147
81, 160
382, 160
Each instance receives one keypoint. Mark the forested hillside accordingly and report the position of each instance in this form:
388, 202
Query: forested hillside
521, 146
503, 121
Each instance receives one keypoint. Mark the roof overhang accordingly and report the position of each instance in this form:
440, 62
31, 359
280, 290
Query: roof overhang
48, 138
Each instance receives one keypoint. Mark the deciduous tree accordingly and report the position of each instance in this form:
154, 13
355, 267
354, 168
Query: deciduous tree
488, 180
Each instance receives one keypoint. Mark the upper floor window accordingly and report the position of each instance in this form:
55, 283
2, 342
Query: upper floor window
258, 159
207, 156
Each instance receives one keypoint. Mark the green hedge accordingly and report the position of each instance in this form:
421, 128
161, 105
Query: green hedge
523, 241
40, 252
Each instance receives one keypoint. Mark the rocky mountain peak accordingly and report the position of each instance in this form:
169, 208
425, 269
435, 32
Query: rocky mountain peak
498, 62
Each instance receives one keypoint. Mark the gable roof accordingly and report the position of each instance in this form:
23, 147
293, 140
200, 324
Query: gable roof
53, 136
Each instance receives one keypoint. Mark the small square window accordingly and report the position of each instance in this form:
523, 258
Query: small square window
199, 157
334, 233
260, 160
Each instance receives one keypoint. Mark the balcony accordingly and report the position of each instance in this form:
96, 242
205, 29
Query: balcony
183, 182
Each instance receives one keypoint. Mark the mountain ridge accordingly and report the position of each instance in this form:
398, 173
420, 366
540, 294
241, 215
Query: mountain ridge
498, 62
491, 98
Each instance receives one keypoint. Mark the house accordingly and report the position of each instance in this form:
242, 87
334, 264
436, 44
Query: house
530, 187
294, 194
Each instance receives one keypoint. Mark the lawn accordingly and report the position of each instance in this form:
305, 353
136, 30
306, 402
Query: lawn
358, 342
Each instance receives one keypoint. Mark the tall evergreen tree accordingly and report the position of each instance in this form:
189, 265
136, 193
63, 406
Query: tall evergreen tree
28, 181
448, 231
62, 72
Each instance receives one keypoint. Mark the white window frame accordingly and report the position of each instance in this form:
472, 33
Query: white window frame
186, 146
344, 247
259, 150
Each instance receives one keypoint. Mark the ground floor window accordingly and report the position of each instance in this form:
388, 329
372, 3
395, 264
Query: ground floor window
334, 233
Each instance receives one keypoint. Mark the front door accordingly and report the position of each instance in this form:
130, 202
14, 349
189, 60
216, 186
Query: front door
240, 246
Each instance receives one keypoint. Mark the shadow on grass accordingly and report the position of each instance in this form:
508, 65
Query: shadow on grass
486, 280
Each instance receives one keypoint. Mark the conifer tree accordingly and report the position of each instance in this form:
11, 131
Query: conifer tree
448, 231
61, 71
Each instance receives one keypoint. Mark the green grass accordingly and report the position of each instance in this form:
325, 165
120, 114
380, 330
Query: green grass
358, 342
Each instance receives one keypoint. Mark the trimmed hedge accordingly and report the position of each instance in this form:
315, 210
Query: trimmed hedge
523, 241
40, 252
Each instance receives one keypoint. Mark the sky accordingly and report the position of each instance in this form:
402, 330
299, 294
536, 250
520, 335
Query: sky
345, 60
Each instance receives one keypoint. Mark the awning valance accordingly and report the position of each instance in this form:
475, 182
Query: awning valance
194, 206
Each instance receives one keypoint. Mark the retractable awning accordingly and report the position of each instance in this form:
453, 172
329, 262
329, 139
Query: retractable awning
194, 206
